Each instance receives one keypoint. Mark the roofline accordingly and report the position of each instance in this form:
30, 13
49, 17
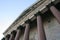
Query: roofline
23, 13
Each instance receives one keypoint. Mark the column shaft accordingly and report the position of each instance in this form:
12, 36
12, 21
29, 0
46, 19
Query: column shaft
6, 39
40, 29
26, 34
56, 13
18, 35
11, 37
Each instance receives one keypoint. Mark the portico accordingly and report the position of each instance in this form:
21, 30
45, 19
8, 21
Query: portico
34, 17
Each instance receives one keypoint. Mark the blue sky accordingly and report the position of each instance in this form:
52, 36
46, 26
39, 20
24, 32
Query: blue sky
10, 10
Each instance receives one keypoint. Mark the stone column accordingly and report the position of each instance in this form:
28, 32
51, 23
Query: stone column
19, 30
12, 36
54, 11
27, 30
3, 39
40, 29
7, 37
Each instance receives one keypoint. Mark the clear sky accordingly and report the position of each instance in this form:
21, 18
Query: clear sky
10, 10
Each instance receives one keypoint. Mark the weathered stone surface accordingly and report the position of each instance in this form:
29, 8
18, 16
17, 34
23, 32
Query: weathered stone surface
52, 30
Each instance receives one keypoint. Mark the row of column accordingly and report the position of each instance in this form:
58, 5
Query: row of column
40, 28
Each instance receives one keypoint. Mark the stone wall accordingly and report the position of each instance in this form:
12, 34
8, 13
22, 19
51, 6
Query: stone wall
52, 30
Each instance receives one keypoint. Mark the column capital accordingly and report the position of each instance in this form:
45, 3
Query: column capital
38, 13
51, 4
20, 27
8, 36
14, 33
3, 38
28, 21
